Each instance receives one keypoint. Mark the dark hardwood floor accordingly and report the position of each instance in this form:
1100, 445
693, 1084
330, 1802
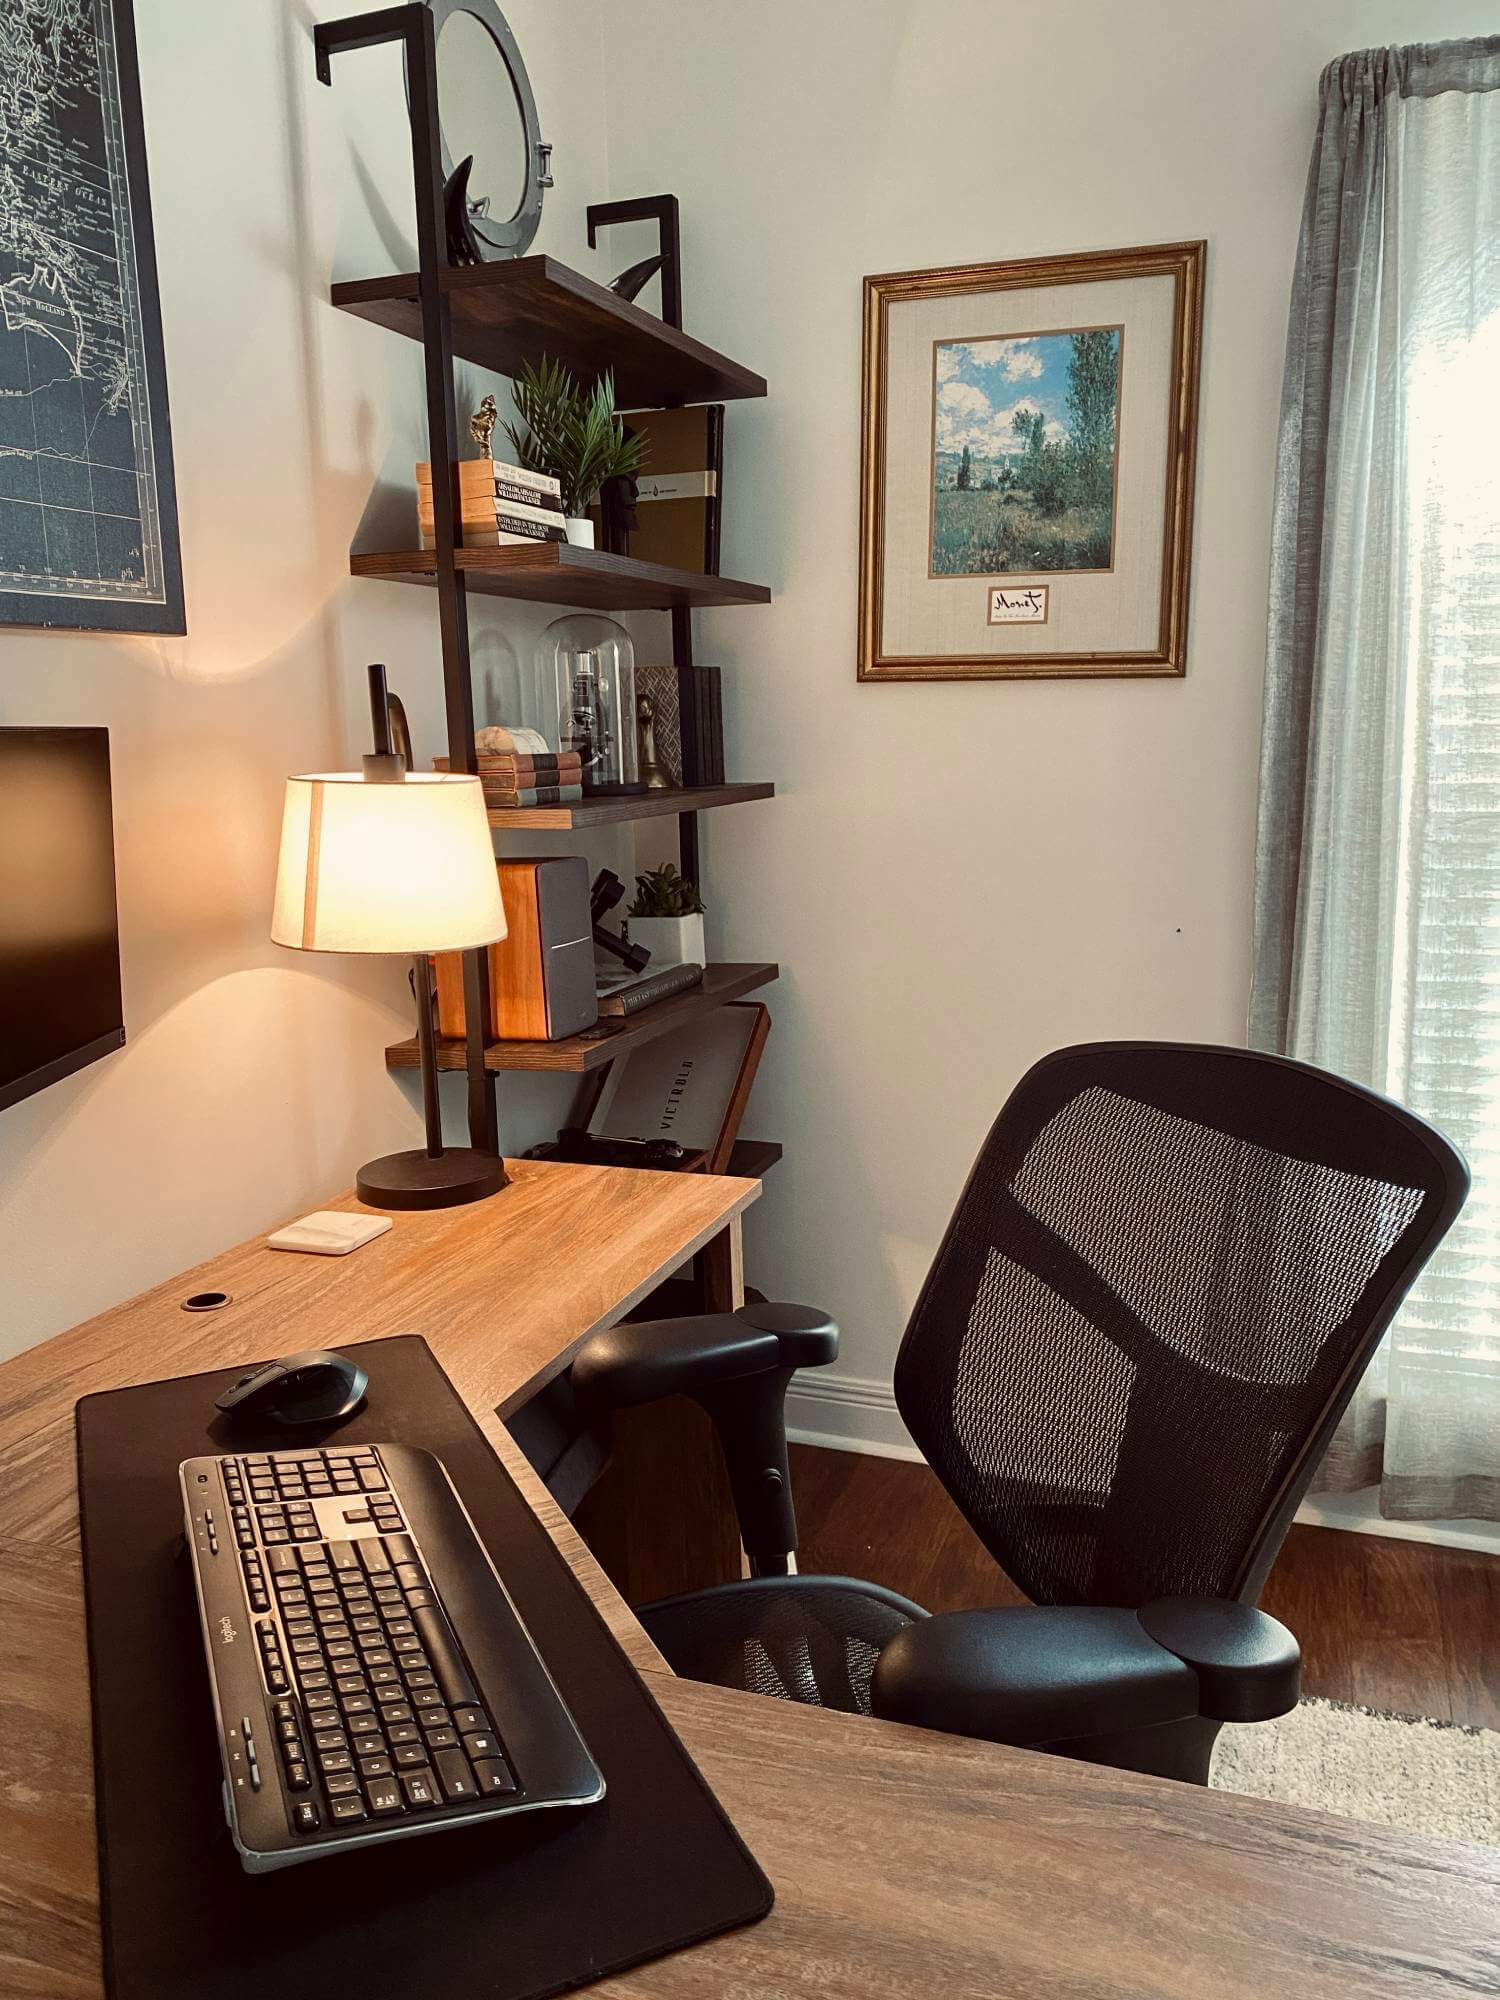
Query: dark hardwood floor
1395, 1625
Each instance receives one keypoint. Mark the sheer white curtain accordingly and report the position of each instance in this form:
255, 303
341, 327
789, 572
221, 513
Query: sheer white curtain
1378, 861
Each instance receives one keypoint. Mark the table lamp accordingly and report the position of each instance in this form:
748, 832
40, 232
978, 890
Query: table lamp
395, 861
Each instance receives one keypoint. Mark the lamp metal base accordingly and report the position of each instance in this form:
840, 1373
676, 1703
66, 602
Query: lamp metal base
417, 1180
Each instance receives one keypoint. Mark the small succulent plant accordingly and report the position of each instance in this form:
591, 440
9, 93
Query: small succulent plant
662, 892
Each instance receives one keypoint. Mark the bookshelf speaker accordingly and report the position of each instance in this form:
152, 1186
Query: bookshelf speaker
542, 971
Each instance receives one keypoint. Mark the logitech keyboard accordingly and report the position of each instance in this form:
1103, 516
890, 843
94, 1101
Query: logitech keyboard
371, 1676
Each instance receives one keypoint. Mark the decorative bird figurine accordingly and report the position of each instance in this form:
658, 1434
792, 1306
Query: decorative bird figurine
630, 284
464, 246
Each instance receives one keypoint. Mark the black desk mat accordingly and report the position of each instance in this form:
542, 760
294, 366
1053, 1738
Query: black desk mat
508, 1912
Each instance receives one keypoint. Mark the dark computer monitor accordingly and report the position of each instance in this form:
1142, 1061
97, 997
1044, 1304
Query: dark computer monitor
60, 1004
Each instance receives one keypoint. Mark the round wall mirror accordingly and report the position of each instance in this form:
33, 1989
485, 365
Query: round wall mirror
487, 111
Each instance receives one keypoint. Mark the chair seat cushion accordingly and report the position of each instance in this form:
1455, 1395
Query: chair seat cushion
1034, 1674
813, 1639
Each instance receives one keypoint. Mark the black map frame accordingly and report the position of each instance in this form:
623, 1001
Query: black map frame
103, 433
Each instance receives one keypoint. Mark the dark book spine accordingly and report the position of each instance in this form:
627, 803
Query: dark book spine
687, 714
705, 724
710, 727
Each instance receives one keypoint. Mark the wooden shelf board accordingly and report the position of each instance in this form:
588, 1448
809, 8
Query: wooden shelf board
559, 573
751, 1158
643, 805
520, 309
578, 1054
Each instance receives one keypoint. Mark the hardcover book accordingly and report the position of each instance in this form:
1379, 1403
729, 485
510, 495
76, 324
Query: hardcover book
708, 735
533, 795
482, 475
504, 768
631, 992
678, 491
560, 770
485, 506
506, 533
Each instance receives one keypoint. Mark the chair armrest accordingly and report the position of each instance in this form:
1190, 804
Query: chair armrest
1249, 1666
1044, 1673
637, 1363
1032, 1674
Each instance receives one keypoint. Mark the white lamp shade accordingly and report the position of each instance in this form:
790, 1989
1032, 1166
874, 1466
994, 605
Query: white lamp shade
404, 866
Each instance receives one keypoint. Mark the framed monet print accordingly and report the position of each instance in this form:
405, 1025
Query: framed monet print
1027, 467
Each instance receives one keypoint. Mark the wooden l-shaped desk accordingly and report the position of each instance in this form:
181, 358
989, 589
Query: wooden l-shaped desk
904, 1862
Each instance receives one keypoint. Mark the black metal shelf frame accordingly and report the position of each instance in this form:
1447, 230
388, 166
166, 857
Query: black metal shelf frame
412, 26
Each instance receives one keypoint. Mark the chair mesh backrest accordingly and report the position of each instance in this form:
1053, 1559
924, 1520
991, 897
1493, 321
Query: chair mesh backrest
1161, 1284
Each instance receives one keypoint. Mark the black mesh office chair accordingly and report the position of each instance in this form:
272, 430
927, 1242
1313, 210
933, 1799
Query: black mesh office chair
1167, 1272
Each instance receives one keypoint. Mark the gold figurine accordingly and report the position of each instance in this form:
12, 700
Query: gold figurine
482, 424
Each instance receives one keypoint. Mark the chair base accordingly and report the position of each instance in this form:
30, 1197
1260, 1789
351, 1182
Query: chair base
1181, 1750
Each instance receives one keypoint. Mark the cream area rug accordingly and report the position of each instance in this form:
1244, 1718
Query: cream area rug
1397, 1770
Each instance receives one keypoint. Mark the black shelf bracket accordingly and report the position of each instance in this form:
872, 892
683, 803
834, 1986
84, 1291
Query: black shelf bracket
412, 27
662, 209
360, 31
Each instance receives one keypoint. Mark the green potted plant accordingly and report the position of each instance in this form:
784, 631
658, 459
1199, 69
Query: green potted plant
573, 434
667, 918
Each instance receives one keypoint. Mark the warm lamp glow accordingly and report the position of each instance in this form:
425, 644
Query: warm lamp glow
406, 866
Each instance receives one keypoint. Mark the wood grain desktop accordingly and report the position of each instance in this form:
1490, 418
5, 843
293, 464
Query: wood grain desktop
903, 1860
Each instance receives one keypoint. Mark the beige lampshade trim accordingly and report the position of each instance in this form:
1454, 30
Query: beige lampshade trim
310, 885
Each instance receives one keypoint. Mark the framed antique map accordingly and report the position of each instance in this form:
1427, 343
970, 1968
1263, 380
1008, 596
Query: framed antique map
1027, 466
88, 508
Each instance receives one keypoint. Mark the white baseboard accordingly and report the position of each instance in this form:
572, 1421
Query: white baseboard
847, 1413
1359, 1514
858, 1413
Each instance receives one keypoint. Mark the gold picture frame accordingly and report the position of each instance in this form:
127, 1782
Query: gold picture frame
1048, 445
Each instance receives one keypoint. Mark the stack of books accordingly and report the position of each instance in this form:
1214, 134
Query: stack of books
710, 733
517, 769
501, 505
541, 779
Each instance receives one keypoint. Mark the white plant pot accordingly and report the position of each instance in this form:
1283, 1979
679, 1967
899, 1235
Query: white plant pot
670, 940
580, 530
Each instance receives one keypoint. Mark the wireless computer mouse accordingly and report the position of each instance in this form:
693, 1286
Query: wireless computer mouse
314, 1388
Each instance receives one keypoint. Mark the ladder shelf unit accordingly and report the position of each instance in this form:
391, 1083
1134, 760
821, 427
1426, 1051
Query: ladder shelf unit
498, 315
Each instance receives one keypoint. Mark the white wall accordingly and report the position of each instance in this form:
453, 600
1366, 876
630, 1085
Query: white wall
253, 1083
1081, 867
1086, 869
